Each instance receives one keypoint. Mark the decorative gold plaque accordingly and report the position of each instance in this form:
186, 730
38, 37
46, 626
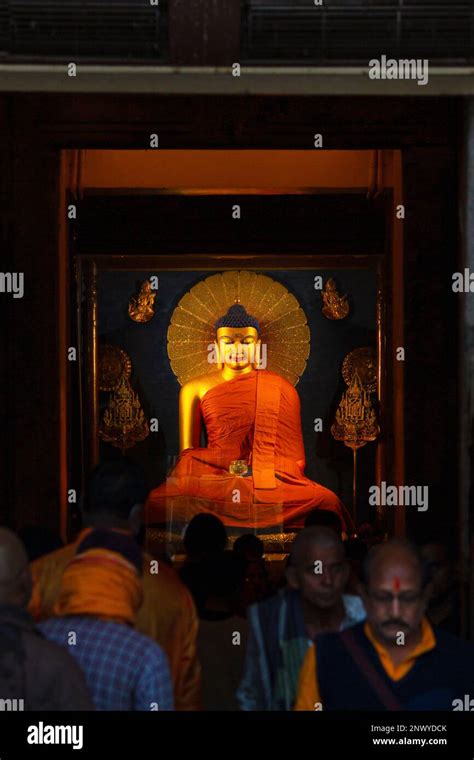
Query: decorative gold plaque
141, 307
124, 423
334, 305
355, 423
114, 364
364, 362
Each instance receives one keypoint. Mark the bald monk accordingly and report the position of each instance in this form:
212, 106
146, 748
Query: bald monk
249, 414
42, 675
283, 627
396, 660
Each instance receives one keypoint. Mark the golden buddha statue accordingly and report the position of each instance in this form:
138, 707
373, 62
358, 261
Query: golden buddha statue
251, 472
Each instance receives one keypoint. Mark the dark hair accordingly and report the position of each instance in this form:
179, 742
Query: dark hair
237, 316
325, 517
247, 544
205, 534
224, 574
114, 541
402, 543
114, 488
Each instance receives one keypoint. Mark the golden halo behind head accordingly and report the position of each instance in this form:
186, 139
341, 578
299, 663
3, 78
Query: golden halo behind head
283, 326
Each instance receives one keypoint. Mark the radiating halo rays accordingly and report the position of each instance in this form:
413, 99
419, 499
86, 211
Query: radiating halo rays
283, 325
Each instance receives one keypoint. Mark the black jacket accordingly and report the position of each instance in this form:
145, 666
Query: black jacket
45, 676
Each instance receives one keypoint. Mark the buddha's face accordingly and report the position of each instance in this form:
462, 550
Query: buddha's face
237, 346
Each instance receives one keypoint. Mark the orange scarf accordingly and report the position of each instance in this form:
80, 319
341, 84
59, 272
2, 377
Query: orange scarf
101, 583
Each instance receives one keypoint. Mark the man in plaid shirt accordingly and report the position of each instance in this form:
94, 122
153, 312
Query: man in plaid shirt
113, 500
100, 595
124, 670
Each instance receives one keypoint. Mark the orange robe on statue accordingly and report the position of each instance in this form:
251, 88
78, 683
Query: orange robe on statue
255, 417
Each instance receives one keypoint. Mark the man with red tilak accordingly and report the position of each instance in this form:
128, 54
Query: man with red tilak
395, 660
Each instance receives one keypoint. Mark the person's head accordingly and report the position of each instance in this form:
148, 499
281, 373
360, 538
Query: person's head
325, 518
15, 576
394, 589
248, 546
205, 534
317, 567
256, 583
237, 338
224, 575
114, 496
121, 544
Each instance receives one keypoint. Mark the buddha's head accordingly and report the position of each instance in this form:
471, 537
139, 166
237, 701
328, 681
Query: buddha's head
237, 339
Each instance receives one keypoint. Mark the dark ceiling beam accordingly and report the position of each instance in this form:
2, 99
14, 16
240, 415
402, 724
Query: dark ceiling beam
204, 32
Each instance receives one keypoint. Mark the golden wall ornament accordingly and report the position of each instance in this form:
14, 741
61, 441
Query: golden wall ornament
124, 423
335, 306
141, 307
355, 425
364, 362
283, 325
113, 364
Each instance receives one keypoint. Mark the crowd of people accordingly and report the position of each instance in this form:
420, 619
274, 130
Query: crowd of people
100, 624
